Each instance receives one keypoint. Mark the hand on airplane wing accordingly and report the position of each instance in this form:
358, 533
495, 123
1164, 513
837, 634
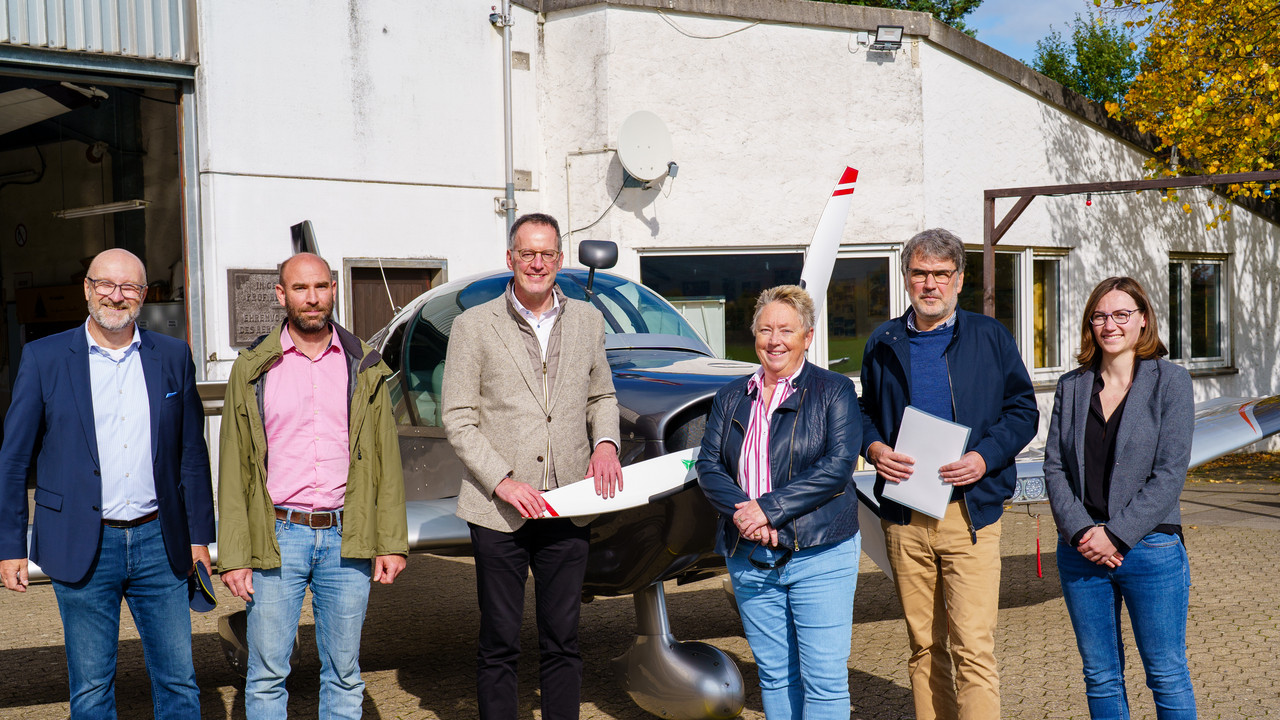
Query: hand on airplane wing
892, 465
387, 567
239, 582
521, 497
606, 469
968, 470
14, 574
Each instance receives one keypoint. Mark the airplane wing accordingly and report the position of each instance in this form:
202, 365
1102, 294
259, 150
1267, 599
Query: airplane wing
1228, 424
641, 482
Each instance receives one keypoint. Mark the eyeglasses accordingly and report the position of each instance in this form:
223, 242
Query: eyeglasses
942, 277
548, 256
1119, 316
106, 288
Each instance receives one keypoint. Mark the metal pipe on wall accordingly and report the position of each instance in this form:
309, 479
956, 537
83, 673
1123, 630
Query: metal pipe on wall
506, 113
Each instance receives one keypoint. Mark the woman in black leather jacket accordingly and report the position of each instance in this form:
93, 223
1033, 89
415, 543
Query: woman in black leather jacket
777, 462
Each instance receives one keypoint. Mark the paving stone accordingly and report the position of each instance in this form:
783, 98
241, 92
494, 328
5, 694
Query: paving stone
418, 646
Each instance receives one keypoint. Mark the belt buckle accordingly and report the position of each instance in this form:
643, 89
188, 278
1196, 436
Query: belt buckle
328, 521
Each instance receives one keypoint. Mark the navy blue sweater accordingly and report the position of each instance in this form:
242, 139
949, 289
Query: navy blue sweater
991, 393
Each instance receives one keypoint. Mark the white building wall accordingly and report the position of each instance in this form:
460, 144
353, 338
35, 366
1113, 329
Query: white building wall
762, 122
381, 122
762, 119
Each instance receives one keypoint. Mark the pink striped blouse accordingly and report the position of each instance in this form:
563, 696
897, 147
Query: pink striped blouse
754, 475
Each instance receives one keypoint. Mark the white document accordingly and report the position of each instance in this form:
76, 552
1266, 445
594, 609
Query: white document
932, 442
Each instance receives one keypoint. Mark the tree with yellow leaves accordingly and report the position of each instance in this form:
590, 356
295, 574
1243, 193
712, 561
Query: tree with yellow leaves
1209, 86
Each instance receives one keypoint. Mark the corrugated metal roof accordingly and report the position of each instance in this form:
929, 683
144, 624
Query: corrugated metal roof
151, 29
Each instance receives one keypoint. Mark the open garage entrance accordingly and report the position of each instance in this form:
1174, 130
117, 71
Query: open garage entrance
87, 163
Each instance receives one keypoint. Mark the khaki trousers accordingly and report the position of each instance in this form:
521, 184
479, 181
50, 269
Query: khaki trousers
950, 592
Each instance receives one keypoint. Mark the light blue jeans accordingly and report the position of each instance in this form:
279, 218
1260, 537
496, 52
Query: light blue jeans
339, 596
132, 564
1154, 580
799, 622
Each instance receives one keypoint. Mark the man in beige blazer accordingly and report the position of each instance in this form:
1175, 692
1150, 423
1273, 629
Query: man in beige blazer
529, 406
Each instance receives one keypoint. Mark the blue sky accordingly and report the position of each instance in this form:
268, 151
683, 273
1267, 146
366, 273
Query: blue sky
1014, 26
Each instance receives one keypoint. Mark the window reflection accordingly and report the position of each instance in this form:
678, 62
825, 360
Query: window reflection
1046, 278
737, 279
857, 302
1006, 288
1175, 311
1206, 291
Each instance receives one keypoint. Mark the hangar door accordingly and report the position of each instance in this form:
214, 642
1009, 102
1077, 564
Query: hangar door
87, 163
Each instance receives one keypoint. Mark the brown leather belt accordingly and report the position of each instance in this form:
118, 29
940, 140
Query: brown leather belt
316, 521
132, 523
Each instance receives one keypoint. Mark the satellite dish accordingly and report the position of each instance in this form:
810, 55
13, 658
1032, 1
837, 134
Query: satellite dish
644, 146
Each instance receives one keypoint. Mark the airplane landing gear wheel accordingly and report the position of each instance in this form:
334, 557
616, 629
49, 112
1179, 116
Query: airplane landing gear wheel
673, 679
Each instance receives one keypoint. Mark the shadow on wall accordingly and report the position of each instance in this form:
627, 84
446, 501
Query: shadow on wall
1133, 234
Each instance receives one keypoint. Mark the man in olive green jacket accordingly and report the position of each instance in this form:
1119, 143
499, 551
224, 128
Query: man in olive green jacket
310, 493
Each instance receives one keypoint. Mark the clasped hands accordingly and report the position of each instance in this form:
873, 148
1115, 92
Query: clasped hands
752, 523
1096, 547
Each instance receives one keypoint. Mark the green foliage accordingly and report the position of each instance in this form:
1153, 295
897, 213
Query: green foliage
1100, 61
951, 12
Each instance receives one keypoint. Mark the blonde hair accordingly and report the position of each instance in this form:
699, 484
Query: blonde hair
793, 296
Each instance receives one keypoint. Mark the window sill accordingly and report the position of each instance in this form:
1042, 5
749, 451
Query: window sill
1213, 371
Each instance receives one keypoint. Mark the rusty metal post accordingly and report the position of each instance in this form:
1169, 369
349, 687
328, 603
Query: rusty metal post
988, 257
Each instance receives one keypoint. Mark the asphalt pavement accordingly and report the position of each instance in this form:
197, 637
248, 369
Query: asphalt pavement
419, 641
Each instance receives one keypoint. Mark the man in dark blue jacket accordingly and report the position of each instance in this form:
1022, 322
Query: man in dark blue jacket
966, 368
123, 498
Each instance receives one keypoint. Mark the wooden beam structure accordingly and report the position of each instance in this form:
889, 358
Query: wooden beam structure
992, 233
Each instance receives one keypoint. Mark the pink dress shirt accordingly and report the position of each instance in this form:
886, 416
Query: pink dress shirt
308, 451
754, 475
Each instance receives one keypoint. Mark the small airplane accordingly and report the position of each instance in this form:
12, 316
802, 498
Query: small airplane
659, 527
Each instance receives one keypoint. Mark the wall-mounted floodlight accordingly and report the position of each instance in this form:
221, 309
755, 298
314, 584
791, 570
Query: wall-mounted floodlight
888, 37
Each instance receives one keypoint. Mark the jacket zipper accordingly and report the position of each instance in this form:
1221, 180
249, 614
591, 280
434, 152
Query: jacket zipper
546, 467
723, 449
791, 457
968, 514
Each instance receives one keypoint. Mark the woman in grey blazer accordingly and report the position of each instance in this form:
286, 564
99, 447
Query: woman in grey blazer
1115, 463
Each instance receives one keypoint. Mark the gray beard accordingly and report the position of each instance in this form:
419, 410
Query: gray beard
112, 323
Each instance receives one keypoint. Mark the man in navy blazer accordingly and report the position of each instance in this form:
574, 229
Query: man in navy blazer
123, 500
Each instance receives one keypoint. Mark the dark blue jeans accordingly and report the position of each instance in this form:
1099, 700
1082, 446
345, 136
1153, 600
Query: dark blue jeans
1154, 580
132, 565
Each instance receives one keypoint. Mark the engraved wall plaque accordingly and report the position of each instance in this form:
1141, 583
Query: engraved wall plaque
254, 309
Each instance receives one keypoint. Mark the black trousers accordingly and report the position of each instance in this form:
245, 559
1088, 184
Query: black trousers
556, 550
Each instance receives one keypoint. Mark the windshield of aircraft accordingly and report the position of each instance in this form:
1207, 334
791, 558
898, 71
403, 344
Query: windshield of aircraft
634, 315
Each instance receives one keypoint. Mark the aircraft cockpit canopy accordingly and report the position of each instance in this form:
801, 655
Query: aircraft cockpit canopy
635, 317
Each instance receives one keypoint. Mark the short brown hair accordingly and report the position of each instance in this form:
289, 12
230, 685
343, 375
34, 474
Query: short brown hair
1149, 344
793, 296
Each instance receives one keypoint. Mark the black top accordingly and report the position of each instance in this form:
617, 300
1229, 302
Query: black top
1100, 452
1099, 459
